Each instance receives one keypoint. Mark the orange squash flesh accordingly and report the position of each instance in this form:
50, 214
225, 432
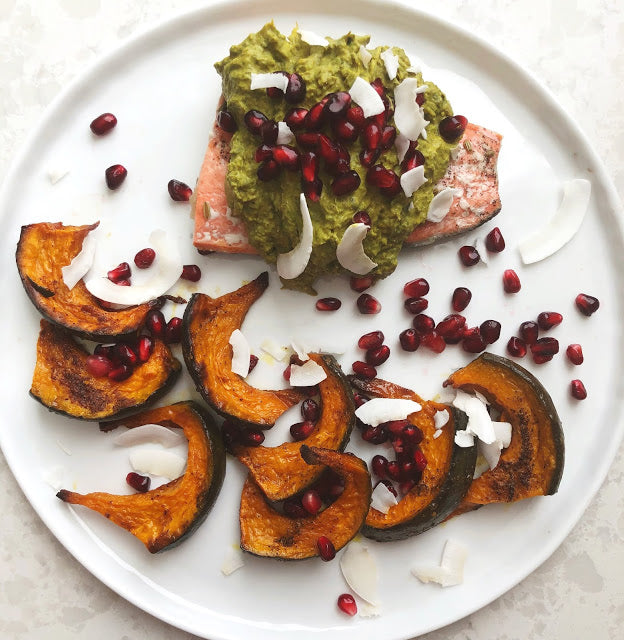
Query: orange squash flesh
207, 327
162, 517
43, 249
266, 532
281, 471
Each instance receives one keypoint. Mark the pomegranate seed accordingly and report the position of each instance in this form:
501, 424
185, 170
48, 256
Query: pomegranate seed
490, 331
461, 298
529, 331
364, 370
310, 410
99, 366
123, 354
252, 437
396, 427
577, 389
375, 435
416, 288
274, 92
144, 258
545, 347
377, 84
371, 136
253, 361
145, 348
301, 430
378, 176
254, 120
338, 169
516, 347
105, 350
225, 120
378, 356
231, 433
586, 304
549, 319
344, 130
311, 502
325, 548
123, 283
452, 128
413, 434
286, 156
360, 283
263, 152
268, 170
316, 117
379, 465
120, 272
368, 157
345, 183
103, 124
412, 160
327, 149
407, 469
120, 372
296, 89
359, 399
540, 359
293, 509
420, 460
179, 191
286, 373
388, 136
155, 323
372, 340
433, 341
474, 342
575, 353
368, 304
295, 118
309, 165
468, 255
423, 323
138, 482
392, 469
355, 116
115, 175
409, 340
173, 332
390, 487
511, 281
328, 304
337, 104
312, 189
362, 217
416, 305
494, 241
451, 325
191, 272
269, 132
346, 604
394, 188
308, 141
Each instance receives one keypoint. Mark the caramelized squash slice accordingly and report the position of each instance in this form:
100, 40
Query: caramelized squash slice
163, 517
63, 384
207, 327
43, 249
444, 481
532, 465
266, 532
280, 471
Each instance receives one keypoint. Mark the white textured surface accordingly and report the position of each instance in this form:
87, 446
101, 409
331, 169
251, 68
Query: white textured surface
575, 48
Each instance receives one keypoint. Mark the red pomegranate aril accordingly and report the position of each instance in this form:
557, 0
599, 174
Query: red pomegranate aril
416, 288
407, 469
451, 325
433, 341
316, 117
494, 241
99, 366
145, 348
586, 304
144, 258
138, 482
490, 331
541, 359
409, 340
173, 332
361, 217
396, 427
124, 354
268, 170
346, 604
420, 99
394, 188
368, 304
337, 104
577, 389
123, 283
295, 118
344, 130
191, 272
371, 340
412, 160
296, 89
115, 175
374, 435
179, 191
105, 350
355, 115
423, 324
360, 283
474, 342
325, 548
377, 84
225, 120
286, 156
254, 120
155, 323
308, 141
378, 355
120, 372
312, 189
327, 149
364, 370
388, 136
413, 434
468, 255
251, 437
420, 460
545, 347
575, 353
378, 176
379, 465
301, 430
310, 410
416, 305
340, 167
452, 128
371, 136
309, 165
263, 152
392, 470
368, 157
529, 331
311, 502
359, 399
516, 347
461, 298
120, 272
549, 319
345, 183
328, 304
511, 281
269, 132
103, 124
253, 361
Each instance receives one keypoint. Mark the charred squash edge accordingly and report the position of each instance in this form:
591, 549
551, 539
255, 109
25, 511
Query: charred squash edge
195, 422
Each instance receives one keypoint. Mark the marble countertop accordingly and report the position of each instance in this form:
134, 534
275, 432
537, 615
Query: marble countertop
575, 48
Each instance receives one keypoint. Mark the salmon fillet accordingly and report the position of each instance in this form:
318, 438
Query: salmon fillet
472, 170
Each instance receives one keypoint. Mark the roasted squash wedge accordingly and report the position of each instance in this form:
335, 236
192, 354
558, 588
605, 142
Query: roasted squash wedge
266, 532
532, 465
444, 481
43, 249
163, 517
280, 471
63, 384
207, 327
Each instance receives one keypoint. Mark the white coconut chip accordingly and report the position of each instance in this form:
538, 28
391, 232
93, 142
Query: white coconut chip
479, 421
268, 81
401, 144
292, 264
157, 462
57, 173
82, 262
562, 227
313, 39
382, 498
234, 560
359, 569
391, 62
441, 204
441, 418
365, 55
241, 353
437, 433
150, 434
274, 350
479, 245
164, 273
301, 350
464, 439
408, 116
451, 569
367, 610
379, 410
307, 374
350, 250
412, 180
365, 95
284, 134
503, 433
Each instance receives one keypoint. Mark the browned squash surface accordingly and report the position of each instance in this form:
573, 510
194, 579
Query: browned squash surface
162, 517
63, 384
266, 532
280, 471
43, 249
208, 325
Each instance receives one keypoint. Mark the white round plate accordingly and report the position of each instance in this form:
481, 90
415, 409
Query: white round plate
164, 90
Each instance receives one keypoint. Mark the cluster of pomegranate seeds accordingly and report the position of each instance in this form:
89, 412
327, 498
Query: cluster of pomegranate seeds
103, 124
170, 332
586, 304
346, 604
234, 434
117, 361
577, 389
511, 281
144, 258
115, 175
138, 482
310, 412
468, 255
179, 191
328, 304
542, 349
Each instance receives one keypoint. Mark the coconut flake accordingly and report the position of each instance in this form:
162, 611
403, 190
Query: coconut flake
479, 421
379, 410
284, 134
492, 451
150, 434
441, 204
350, 250
441, 418
359, 569
313, 39
408, 116
401, 144
157, 463
562, 227
81, 263
451, 569
165, 272
292, 264
307, 374
464, 439
301, 350
241, 353
275, 350
367, 610
57, 173
392, 63
412, 180
233, 561
365, 55
479, 245
502, 430
268, 81
382, 498
365, 95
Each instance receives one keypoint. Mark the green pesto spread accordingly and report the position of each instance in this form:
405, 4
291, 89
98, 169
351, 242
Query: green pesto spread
271, 209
